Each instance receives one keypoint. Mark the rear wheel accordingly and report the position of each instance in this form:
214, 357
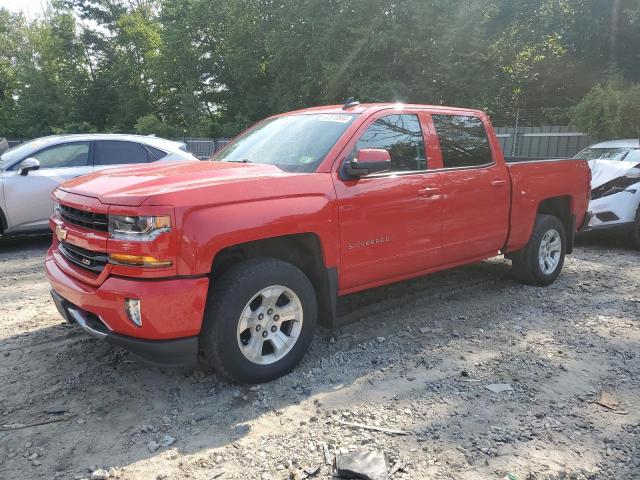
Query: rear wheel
541, 261
259, 321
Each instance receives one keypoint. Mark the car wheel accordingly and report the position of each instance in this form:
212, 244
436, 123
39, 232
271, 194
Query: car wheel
259, 321
541, 261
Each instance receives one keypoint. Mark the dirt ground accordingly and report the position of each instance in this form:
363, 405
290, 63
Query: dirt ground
415, 356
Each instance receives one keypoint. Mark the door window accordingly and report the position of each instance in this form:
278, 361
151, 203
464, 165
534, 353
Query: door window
116, 152
74, 154
401, 136
463, 141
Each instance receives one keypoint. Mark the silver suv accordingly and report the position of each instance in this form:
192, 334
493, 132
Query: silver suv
31, 171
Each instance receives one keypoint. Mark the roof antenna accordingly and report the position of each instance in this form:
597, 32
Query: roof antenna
350, 103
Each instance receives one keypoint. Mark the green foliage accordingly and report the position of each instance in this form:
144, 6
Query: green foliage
609, 111
151, 125
76, 127
213, 67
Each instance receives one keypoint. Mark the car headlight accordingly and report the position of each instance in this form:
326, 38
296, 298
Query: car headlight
142, 229
617, 185
56, 209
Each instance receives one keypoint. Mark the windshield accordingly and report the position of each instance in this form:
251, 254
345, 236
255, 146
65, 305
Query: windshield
295, 143
620, 154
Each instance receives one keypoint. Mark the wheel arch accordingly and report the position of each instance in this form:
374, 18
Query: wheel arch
561, 208
303, 250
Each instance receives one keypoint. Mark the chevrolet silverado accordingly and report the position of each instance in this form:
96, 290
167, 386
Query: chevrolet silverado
235, 261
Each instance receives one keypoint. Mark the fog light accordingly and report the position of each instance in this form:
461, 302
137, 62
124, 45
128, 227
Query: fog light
132, 308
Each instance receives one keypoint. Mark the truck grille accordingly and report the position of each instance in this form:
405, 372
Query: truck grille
94, 261
94, 221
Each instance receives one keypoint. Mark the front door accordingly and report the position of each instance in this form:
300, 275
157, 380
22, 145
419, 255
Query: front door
28, 197
389, 222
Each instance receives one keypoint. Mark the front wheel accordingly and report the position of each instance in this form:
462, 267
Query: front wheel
541, 260
259, 321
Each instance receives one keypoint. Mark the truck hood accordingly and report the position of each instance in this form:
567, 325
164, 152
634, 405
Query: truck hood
132, 186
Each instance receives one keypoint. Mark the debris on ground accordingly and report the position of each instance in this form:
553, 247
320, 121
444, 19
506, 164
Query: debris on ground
499, 387
99, 474
167, 440
301, 473
608, 401
365, 465
399, 466
374, 428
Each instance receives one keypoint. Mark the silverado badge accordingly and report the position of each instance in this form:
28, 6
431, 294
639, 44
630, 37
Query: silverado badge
61, 233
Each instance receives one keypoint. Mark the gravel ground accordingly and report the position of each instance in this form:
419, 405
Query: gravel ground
416, 356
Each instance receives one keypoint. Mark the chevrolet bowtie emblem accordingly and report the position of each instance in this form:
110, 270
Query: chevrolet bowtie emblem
61, 233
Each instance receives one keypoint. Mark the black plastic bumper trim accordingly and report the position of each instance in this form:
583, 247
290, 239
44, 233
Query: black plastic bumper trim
181, 352
623, 226
585, 221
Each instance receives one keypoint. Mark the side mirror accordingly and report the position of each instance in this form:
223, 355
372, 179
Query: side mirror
27, 165
367, 161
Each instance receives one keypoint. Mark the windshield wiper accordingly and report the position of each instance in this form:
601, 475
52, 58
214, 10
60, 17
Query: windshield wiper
244, 160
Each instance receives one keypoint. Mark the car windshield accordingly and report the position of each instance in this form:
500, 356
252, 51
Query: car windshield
295, 143
620, 154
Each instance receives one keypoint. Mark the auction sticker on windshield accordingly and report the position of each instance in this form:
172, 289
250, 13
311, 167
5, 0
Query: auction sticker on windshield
327, 117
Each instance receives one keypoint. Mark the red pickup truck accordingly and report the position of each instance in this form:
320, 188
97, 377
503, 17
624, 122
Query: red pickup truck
233, 262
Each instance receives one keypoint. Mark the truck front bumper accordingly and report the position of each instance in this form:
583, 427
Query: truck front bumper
171, 312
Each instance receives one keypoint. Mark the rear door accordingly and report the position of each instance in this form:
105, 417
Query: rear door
110, 153
28, 197
389, 222
475, 188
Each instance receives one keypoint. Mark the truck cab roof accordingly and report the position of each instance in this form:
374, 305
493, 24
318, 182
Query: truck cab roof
375, 107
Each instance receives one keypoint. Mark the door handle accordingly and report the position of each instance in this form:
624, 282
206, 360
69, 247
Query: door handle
429, 192
498, 183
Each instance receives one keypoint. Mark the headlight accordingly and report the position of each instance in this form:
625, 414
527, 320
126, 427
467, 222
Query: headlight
617, 185
56, 209
142, 229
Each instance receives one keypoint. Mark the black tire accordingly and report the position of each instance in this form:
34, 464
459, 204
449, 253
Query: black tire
634, 233
526, 265
229, 295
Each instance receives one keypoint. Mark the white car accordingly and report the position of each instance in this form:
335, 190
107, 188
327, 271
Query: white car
615, 187
32, 170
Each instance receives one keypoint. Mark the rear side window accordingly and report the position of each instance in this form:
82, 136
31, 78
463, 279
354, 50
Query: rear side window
115, 152
401, 136
155, 153
463, 141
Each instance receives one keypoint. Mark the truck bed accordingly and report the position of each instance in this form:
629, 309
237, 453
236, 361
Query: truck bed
532, 181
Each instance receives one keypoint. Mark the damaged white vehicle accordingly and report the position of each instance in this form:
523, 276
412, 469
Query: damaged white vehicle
615, 187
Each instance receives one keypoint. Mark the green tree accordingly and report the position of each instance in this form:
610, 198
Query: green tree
610, 111
50, 75
216, 66
11, 34
151, 125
